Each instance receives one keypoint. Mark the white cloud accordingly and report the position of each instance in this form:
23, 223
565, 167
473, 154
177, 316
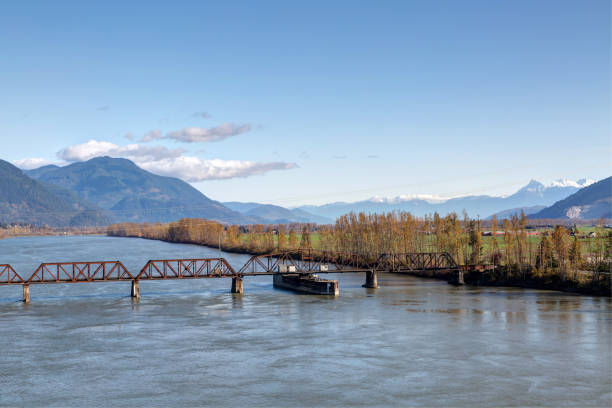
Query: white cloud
32, 163
199, 134
171, 162
192, 169
134, 152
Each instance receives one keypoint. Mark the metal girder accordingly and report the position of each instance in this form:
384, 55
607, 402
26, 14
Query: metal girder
186, 268
72, 272
297, 261
416, 261
301, 261
8, 276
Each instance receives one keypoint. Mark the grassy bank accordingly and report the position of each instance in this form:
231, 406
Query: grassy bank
549, 260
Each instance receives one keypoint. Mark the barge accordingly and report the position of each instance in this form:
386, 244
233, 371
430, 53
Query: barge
306, 283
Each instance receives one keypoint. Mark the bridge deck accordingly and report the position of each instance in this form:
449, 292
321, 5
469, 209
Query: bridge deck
259, 265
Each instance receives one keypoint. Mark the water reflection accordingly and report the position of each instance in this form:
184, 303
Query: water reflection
413, 342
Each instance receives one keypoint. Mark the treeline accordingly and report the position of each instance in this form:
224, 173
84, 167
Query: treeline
25, 229
506, 243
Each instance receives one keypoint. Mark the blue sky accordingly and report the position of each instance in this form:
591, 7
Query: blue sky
313, 102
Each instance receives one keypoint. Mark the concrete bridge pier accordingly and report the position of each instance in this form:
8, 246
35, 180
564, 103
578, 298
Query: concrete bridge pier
457, 278
135, 289
26, 293
371, 280
237, 285
460, 280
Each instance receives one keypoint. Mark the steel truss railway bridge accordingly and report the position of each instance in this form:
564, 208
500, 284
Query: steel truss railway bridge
303, 262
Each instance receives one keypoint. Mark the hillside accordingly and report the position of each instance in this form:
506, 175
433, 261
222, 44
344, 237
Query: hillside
131, 194
594, 201
24, 200
274, 214
517, 211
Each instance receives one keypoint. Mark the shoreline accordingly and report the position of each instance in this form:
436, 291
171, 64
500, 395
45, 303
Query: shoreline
471, 278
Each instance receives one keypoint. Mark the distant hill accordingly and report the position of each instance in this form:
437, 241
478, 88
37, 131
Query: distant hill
517, 211
274, 214
533, 194
592, 202
24, 200
131, 194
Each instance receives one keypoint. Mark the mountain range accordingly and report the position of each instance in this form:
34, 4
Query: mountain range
531, 198
128, 193
105, 190
275, 214
593, 201
25, 200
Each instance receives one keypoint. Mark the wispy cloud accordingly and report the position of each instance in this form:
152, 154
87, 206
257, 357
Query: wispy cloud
373, 156
152, 135
203, 115
171, 162
192, 169
199, 134
103, 108
339, 157
134, 152
32, 163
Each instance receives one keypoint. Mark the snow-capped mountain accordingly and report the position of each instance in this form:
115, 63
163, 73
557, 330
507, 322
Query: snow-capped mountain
570, 183
531, 195
430, 198
592, 202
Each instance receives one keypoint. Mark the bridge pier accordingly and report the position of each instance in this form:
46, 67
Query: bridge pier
26, 293
237, 285
135, 289
371, 280
457, 278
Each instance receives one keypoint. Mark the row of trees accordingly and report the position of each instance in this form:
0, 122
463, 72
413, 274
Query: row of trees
24, 229
506, 243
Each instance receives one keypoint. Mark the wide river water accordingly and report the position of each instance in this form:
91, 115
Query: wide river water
412, 342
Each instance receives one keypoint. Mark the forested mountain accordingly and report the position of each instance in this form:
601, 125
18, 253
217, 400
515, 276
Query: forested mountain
24, 200
594, 201
275, 214
533, 194
130, 193
105, 189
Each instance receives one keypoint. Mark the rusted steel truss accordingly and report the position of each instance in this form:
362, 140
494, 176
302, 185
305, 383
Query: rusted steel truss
301, 261
405, 262
9, 276
186, 268
72, 272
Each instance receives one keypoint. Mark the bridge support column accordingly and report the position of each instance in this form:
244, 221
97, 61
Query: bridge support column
237, 285
26, 293
460, 280
371, 280
135, 289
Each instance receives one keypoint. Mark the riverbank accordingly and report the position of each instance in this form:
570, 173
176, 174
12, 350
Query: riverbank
56, 234
15, 231
500, 277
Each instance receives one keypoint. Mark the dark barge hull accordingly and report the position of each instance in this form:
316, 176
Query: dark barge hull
306, 284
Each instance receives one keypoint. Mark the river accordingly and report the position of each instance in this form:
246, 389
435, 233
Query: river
412, 342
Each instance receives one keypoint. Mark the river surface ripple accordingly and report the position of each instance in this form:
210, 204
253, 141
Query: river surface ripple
413, 342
